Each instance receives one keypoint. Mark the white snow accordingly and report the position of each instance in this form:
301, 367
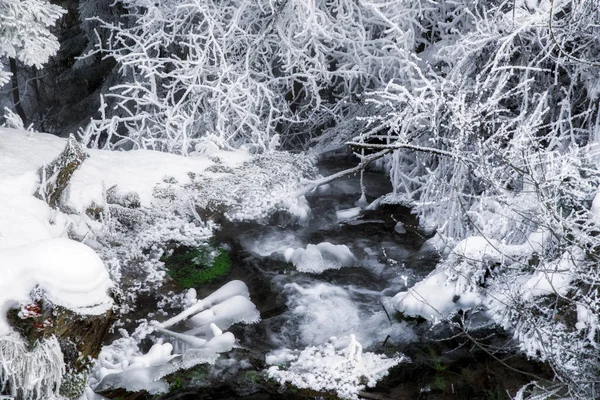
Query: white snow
434, 298
348, 214
298, 208
23, 218
595, 209
131, 172
280, 356
318, 258
24, 151
69, 273
478, 249
225, 292
344, 370
138, 171
228, 312
554, 278
453, 285
586, 320
122, 364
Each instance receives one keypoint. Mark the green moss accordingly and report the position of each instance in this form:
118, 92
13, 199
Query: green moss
190, 267
176, 384
439, 383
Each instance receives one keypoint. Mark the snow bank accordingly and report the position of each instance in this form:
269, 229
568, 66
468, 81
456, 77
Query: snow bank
453, 285
24, 151
338, 366
318, 258
434, 298
23, 218
248, 186
69, 273
136, 171
456, 283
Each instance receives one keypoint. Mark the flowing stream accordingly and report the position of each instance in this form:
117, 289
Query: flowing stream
301, 309
314, 307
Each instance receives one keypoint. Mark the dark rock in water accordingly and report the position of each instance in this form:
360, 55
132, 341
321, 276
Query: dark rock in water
55, 177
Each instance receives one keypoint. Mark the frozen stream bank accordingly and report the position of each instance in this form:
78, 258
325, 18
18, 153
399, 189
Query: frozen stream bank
302, 309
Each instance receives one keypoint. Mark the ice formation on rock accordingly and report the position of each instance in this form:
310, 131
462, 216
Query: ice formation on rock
320, 257
122, 363
338, 366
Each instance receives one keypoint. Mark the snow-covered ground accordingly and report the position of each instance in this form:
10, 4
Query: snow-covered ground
35, 251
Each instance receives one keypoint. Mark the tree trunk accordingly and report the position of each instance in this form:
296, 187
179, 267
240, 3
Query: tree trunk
15, 91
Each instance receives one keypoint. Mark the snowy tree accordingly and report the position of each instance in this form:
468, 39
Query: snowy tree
25, 37
495, 146
245, 70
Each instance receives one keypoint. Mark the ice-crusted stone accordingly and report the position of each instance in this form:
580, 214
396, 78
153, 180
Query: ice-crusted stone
55, 176
338, 366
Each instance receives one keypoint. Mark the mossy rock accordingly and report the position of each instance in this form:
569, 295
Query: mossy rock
192, 267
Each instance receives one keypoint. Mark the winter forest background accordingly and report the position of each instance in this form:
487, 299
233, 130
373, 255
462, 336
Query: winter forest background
209, 134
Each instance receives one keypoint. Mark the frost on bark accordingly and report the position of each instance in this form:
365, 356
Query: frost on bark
77, 340
30, 373
55, 177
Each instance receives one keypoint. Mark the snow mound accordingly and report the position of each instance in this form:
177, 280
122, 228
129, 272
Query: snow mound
68, 272
338, 366
318, 258
24, 151
136, 171
434, 298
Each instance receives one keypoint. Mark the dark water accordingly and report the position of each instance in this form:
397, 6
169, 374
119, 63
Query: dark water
300, 309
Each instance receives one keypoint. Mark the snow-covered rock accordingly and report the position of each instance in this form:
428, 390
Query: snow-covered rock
69, 273
435, 298
320, 257
338, 366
